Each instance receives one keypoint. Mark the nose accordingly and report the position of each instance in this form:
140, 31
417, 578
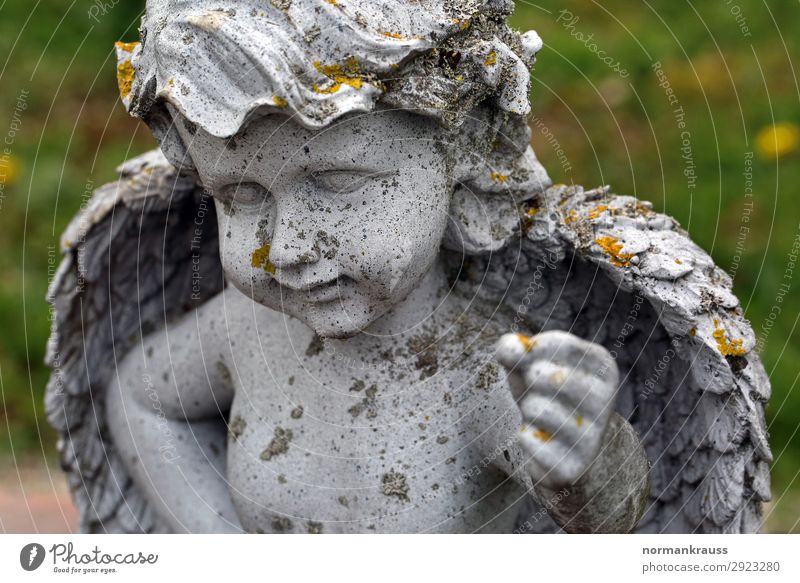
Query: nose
293, 241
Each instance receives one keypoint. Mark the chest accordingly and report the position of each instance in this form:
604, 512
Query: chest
323, 442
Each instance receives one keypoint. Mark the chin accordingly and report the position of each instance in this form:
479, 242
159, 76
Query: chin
339, 319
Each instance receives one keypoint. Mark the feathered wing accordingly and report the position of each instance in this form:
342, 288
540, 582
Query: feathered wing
144, 250
611, 270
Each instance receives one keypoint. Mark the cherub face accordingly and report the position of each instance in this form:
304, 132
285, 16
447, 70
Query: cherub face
333, 226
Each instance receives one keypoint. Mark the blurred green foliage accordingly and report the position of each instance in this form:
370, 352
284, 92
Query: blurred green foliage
57, 60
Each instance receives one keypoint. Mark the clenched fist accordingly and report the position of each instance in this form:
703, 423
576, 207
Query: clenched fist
565, 388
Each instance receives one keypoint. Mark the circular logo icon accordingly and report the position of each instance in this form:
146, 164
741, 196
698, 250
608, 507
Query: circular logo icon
31, 556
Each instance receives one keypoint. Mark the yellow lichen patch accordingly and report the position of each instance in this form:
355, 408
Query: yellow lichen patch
462, 24
571, 217
332, 2
497, 177
260, 259
393, 35
579, 420
613, 248
542, 435
727, 347
279, 101
533, 211
491, 58
597, 211
643, 209
693, 332
350, 75
125, 77
528, 343
678, 261
127, 47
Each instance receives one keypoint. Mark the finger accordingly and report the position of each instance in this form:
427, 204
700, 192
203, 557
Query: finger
512, 349
556, 419
590, 395
555, 459
569, 350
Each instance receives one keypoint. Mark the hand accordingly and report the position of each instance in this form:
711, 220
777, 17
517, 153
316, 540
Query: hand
565, 388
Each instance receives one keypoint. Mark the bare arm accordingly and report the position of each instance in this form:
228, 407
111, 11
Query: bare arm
583, 459
166, 412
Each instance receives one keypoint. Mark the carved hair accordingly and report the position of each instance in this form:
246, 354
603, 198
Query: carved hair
222, 63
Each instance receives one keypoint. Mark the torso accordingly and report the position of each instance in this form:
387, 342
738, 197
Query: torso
407, 437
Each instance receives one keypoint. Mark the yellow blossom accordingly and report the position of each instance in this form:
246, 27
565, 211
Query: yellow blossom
777, 140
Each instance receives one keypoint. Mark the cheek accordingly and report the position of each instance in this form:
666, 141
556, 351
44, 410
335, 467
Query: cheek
400, 239
242, 252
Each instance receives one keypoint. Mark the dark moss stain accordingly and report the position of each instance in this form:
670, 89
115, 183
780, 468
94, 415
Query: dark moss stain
281, 524
424, 348
297, 412
314, 528
368, 403
315, 346
278, 445
488, 376
395, 484
224, 373
236, 427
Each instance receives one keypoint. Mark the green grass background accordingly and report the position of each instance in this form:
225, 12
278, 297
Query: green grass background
615, 131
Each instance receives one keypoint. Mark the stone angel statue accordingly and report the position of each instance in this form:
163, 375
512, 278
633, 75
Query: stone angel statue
344, 296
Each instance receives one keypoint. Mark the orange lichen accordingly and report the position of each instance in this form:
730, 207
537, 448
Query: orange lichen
579, 420
393, 35
571, 217
125, 77
597, 211
613, 248
350, 75
542, 435
332, 2
528, 343
497, 177
127, 47
491, 58
727, 347
279, 101
260, 259
533, 211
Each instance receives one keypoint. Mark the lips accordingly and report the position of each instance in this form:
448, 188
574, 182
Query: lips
317, 291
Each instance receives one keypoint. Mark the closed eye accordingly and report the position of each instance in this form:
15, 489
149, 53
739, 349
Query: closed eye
243, 193
343, 181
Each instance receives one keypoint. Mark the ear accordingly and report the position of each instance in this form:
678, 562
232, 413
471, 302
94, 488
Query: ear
480, 222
